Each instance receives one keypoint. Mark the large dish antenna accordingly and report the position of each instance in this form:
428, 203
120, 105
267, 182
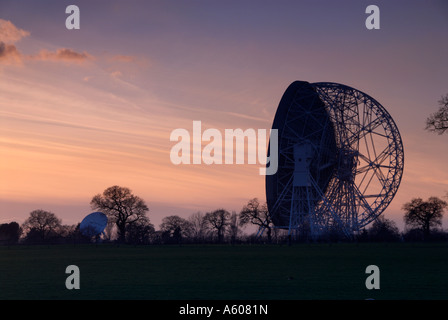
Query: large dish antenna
340, 160
93, 224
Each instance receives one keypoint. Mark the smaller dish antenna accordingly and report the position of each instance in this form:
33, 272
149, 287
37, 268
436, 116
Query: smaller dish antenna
93, 224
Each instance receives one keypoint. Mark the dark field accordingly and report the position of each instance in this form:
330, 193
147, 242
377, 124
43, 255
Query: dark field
302, 271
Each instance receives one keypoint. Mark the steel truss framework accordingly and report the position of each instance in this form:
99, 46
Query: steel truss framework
352, 166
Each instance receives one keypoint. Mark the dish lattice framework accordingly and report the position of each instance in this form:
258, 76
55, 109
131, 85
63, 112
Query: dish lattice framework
341, 160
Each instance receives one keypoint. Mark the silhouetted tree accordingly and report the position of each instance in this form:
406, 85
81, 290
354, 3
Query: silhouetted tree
69, 233
413, 234
197, 226
233, 229
383, 229
76, 236
217, 220
175, 228
10, 233
255, 213
120, 205
424, 214
438, 121
140, 232
41, 225
110, 231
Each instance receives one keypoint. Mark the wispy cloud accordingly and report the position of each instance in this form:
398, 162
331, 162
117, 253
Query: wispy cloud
129, 62
10, 54
130, 59
123, 58
63, 54
9, 33
116, 74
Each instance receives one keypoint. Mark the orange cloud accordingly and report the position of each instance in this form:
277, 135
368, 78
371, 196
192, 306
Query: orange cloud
123, 58
63, 54
9, 54
116, 74
9, 33
127, 59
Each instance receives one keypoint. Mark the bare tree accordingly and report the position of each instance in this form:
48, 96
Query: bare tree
42, 224
176, 228
233, 229
438, 121
10, 233
110, 231
424, 214
383, 229
139, 232
198, 226
257, 214
120, 205
217, 220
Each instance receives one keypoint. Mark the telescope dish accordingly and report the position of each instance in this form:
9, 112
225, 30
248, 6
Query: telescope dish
340, 160
93, 224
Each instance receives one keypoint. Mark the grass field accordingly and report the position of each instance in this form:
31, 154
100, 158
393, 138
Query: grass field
303, 271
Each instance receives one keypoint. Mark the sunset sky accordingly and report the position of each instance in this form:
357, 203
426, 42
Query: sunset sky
82, 110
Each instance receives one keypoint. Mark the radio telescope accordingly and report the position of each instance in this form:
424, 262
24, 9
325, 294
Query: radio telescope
340, 160
93, 224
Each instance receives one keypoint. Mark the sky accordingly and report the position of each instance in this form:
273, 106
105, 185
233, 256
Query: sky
83, 110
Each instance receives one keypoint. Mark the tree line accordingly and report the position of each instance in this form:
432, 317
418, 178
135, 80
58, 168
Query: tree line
129, 223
